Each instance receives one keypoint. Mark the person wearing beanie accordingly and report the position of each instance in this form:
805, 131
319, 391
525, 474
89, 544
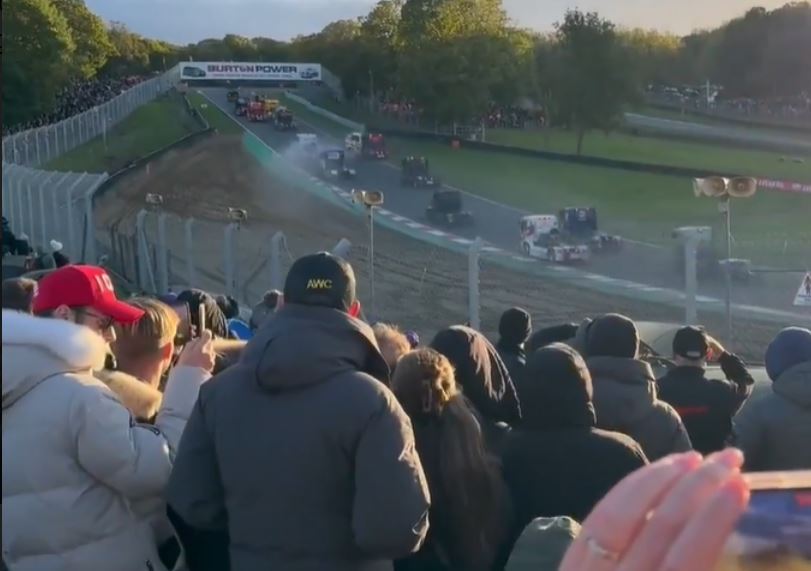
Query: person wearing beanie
556, 462
514, 328
60, 259
705, 405
625, 395
300, 452
774, 432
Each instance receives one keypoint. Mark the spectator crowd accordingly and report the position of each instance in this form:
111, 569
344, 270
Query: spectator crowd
180, 433
78, 97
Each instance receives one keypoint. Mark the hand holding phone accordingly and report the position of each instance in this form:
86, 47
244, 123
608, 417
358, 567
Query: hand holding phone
199, 352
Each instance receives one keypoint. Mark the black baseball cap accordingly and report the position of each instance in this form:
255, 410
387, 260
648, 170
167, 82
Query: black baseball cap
691, 343
321, 280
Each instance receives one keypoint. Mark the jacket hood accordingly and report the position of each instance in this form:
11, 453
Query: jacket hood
303, 346
624, 389
556, 390
480, 372
142, 400
795, 384
35, 348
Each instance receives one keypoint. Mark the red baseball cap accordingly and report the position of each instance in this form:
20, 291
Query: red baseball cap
83, 286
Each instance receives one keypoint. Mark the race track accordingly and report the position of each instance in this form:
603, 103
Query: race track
498, 224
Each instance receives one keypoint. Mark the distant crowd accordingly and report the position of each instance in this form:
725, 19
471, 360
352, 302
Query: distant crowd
78, 97
185, 432
785, 109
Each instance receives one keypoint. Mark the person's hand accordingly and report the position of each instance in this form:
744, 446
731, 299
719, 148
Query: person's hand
675, 514
715, 349
198, 352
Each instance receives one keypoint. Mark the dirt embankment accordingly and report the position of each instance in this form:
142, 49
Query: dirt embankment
418, 286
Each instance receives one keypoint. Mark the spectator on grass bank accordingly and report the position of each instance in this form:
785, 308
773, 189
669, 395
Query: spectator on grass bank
470, 510
774, 432
557, 462
484, 379
564, 332
514, 328
18, 294
705, 405
308, 395
392, 342
262, 311
57, 414
625, 389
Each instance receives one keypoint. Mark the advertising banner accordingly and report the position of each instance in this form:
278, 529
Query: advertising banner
219, 71
784, 185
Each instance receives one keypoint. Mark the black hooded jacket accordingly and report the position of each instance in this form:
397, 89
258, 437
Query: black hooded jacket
556, 463
484, 379
301, 455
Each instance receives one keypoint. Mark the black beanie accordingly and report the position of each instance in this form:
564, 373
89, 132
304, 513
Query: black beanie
612, 335
515, 326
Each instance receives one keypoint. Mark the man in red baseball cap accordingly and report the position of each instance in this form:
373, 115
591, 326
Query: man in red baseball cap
84, 295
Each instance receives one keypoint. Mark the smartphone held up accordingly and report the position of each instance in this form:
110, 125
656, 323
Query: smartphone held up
775, 532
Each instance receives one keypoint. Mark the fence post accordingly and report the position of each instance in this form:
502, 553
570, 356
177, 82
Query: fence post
276, 245
163, 258
43, 220
690, 282
228, 251
145, 277
8, 200
55, 207
19, 227
73, 248
31, 226
91, 226
474, 318
188, 234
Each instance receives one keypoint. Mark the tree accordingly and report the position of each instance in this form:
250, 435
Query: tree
37, 54
590, 74
131, 52
89, 35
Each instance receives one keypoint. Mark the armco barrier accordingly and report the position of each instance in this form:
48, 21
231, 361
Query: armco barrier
325, 113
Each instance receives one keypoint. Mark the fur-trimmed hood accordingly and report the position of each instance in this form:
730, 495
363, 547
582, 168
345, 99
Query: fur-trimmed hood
141, 399
35, 348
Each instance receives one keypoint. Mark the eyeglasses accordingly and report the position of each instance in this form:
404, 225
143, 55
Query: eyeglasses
99, 322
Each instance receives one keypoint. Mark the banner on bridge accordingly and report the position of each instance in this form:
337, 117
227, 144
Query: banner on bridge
219, 71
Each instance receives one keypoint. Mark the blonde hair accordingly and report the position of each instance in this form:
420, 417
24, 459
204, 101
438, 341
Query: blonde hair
424, 382
156, 329
392, 342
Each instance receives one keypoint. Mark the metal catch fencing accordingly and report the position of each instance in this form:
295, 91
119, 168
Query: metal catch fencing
38, 146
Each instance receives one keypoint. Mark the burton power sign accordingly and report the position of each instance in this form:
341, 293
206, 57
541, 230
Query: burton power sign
218, 71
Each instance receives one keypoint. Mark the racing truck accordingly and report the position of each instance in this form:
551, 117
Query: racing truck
240, 107
541, 238
308, 144
368, 145
256, 111
233, 95
446, 209
271, 105
580, 225
416, 173
283, 120
333, 165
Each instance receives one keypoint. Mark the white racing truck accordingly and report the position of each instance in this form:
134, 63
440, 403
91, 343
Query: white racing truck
540, 238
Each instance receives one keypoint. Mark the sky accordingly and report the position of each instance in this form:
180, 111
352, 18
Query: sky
186, 21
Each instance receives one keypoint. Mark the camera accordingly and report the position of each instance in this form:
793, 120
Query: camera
153, 199
238, 215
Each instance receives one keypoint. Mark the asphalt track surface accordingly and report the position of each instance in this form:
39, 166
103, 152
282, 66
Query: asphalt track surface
497, 223
717, 132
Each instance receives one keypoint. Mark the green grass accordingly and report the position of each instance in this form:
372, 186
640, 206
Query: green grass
677, 115
148, 129
770, 228
621, 146
216, 118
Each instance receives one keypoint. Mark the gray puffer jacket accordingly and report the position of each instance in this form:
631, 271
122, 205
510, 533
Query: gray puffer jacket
774, 431
301, 454
625, 401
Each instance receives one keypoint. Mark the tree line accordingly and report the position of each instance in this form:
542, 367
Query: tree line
452, 58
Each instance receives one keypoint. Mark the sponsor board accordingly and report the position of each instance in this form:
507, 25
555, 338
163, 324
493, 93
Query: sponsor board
784, 185
256, 71
803, 297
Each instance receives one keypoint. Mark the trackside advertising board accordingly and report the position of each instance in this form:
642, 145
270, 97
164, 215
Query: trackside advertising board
219, 71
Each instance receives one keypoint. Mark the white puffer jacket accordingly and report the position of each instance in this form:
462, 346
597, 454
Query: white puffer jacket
75, 464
